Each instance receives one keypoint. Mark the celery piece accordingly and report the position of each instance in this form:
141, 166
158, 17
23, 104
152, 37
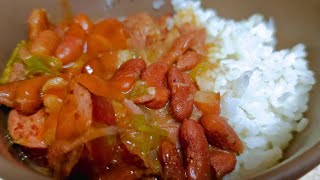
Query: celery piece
42, 65
13, 59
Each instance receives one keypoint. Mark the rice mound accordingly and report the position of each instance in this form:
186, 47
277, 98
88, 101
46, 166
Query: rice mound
264, 92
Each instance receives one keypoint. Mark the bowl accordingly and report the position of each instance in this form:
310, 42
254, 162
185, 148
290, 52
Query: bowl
296, 21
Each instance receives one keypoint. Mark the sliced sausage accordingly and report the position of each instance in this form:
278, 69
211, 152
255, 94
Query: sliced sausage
27, 130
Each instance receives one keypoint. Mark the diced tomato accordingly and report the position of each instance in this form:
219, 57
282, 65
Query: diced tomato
207, 102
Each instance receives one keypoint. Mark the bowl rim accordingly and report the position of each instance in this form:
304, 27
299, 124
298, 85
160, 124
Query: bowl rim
9, 170
290, 168
294, 168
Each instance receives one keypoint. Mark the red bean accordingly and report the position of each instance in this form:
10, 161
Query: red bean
155, 76
28, 96
195, 148
84, 22
181, 94
37, 23
220, 133
171, 162
188, 61
27, 130
125, 77
45, 44
71, 46
223, 162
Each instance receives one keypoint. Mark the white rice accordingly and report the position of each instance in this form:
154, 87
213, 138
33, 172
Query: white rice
264, 92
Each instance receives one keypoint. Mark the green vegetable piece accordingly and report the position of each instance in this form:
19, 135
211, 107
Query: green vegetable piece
140, 88
201, 68
15, 57
139, 122
42, 65
142, 138
119, 109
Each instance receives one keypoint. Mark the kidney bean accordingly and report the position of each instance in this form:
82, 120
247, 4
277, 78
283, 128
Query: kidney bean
195, 148
198, 43
171, 162
37, 22
181, 94
27, 95
193, 86
125, 77
223, 162
71, 46
155, 76
84, 22
180, 46
45, 44
188, 61
220, 133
